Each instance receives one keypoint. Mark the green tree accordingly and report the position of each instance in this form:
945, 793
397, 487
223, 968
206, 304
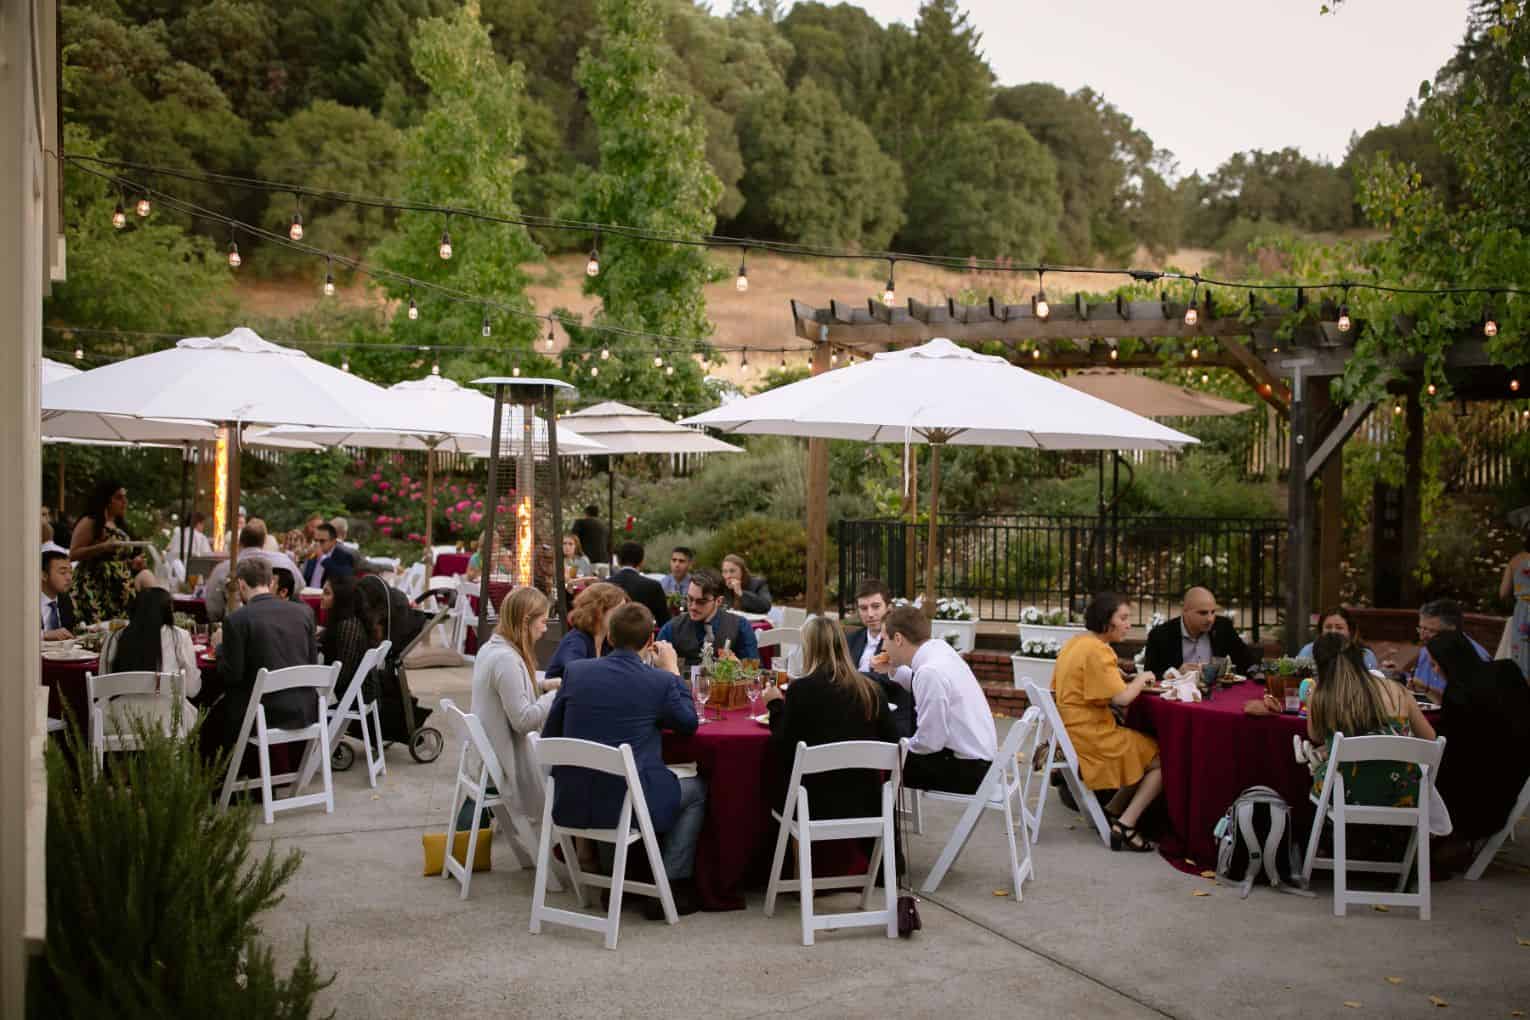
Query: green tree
989, 189
934, 80
338, 148
151, 275
464, 152
840, 47
653, 175
815, 174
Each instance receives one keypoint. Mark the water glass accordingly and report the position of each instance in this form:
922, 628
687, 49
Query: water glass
754, 690
703, 690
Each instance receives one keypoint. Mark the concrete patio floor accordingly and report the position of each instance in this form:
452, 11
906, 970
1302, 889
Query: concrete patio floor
1097, 934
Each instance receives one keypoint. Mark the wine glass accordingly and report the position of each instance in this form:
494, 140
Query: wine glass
703, 689
754, 689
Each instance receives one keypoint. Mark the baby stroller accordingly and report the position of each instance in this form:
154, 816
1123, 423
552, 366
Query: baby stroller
403, 716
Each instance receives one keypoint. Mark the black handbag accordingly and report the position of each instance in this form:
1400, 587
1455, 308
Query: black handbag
908, 903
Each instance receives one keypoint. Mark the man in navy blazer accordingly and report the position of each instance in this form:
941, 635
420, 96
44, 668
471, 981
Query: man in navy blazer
615, 700
334, 559
872, 601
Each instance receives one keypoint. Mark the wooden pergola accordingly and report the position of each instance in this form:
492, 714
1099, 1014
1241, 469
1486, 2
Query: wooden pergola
1290, 375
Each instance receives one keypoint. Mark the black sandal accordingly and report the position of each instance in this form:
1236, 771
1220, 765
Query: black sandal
1125, 837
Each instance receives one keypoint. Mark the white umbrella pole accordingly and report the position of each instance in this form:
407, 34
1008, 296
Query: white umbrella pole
430, 501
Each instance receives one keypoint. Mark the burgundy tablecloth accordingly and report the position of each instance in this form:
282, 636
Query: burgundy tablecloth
731, 754
316, 603
65, 682
451, 564
194, 607
1211, 752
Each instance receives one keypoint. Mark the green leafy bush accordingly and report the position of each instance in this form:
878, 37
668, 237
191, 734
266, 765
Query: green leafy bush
774, 549
153, 897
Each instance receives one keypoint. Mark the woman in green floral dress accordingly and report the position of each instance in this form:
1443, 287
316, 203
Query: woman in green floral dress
104, 563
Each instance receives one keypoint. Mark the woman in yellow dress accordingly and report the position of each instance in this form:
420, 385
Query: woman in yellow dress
1086, 683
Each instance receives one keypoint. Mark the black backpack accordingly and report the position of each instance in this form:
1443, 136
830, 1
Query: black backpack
1255, 837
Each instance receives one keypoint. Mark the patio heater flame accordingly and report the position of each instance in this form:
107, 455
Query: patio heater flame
523, 542
220, 492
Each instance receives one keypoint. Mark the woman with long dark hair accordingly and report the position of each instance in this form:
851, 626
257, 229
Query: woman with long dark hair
151, 642
104, 563
830, 702
1486, 718
346, 633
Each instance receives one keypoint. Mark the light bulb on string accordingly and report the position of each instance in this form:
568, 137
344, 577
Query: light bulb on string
658, 361
444, 249
1345, 323
1035, 353
605, 354
1205, 378
1397, 408
1195, 352
783, 361
833, 357
119, 218
345, 364
1432, 390
1192, 313
414, 309
1489, 322
515, 370
144, 206
549, 339
488, 329
435, 368
742, 283
234, 261
669, 369
1040, 307
594, 371
890, 293
329, 279
592, 267
1513, 385
743, 364
1114, 354
296, 230
79, 354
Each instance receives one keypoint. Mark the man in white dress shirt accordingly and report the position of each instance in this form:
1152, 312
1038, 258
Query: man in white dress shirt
954, 739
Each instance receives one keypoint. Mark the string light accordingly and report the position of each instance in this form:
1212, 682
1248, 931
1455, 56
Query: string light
144, 207
658, 361
833, 357
1193, 314
592, 267
414, 309
1205, 378
515, 370
890, 292
329, 278
345, 364
1035, 353
1489, 323
1039, 306
1432, 390
445, 248
743, 363
594, 371
1513, 385
488, 330
435, 368
79, 354
783, 361
234, 261
296, 230
1195, 352
669, 369
119, 218
742, 283
1344, 321
1114, 354
1397, 408
549, 340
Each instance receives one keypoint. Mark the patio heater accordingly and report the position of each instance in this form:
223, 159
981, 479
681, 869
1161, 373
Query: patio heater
523, 508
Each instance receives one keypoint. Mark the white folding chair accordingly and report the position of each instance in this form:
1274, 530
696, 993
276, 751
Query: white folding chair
148, 694
614, 761
354, 708
1003, 789
464, 619
413, 581
1056, 736
798, 823
254, 732
1331, 807
787, 642
793, 618
472, 787
1496, 840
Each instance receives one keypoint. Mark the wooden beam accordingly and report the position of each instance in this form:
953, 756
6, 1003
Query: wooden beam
1266, 384
1337, 436
849, 327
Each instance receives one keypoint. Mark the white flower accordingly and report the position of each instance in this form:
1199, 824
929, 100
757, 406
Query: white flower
1207, 561
1157, 619
1030, 614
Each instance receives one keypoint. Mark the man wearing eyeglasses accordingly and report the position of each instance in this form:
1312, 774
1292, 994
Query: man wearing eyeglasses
732, 636
1434, 618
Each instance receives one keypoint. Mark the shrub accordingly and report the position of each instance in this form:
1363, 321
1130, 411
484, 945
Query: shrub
774, 549
152, 896
727, 487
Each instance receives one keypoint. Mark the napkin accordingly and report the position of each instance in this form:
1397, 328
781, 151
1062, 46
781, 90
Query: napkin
1181, 688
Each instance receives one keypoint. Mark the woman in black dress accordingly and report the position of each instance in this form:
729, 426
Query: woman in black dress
830, 702
347, 636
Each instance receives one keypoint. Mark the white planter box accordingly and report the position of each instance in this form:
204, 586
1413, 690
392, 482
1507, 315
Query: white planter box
964, 630
1038, 670
1042, 631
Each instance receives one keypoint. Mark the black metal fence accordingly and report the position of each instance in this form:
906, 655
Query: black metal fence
999, 565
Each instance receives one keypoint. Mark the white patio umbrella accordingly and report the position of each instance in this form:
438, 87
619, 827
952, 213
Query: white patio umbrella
625, 429
234, 380
433, 414
940, 393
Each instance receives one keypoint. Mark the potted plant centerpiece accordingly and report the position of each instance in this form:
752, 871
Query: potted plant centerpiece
1039, 624
954, 622
1036, 660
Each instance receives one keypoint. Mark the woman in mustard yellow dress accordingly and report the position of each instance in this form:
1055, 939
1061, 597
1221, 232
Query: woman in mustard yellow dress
1086, 683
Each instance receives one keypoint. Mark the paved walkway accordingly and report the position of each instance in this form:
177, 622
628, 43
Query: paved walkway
1097, 935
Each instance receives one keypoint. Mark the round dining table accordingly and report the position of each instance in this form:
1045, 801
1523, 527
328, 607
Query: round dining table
1211, 751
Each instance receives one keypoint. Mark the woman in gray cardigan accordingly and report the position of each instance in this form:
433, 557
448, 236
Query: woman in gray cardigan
506, 700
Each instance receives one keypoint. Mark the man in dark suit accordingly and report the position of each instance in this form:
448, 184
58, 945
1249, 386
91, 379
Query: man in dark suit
57, 608
267, 632
1197, 635
872, 601
616, 700
334, 559
629, 578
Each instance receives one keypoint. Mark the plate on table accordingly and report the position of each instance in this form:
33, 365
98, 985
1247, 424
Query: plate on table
68, 655
763, 720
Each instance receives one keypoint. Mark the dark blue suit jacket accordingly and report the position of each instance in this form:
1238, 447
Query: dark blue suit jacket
576, 645
618, 700
340, 562
899, 698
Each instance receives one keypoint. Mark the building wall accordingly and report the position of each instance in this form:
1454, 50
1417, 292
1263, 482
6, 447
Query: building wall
31, 253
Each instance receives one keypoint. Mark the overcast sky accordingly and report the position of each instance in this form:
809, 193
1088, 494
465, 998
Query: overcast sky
1207, 78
